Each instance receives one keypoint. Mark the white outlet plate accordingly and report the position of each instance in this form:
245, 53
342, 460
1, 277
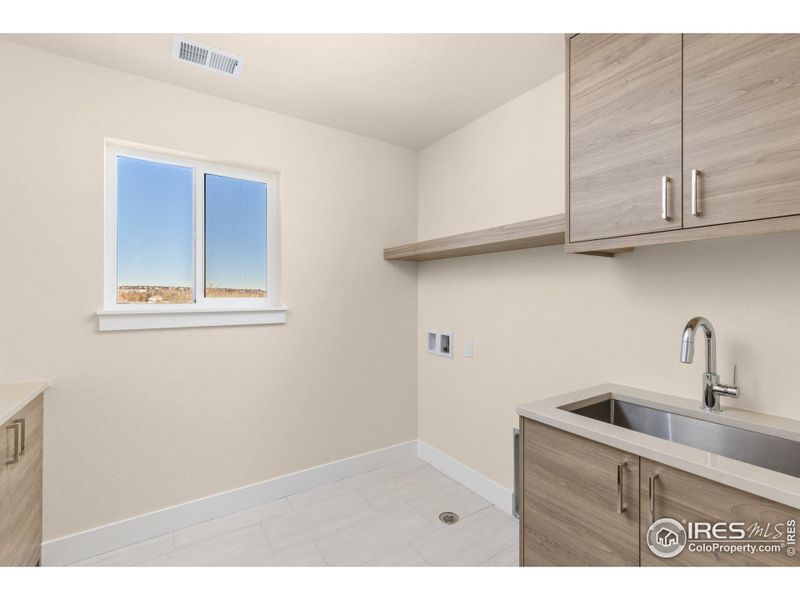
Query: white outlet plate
468, 348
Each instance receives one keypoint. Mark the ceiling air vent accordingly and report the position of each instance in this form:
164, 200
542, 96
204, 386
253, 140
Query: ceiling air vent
210, 58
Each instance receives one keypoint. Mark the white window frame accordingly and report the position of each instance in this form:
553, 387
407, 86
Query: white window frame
204, 311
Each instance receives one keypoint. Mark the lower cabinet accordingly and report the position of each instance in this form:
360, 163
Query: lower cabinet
738, 517
21, 487
588, 504
580, 500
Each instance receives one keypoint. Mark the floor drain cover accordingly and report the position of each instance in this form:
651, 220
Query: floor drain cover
448, 518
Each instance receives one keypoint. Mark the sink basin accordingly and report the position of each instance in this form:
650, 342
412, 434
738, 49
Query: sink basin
769, 452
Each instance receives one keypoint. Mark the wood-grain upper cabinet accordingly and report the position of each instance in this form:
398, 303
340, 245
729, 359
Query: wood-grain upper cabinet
718, 114
570, 513
21, 489
741, 117
624, 134
689, 498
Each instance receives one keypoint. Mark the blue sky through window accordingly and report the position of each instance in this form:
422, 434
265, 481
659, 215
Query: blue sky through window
154, 223
236, 233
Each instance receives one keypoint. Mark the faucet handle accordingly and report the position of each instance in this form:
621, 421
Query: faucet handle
727, 390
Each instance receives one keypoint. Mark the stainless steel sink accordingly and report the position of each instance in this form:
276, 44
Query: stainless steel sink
770, 452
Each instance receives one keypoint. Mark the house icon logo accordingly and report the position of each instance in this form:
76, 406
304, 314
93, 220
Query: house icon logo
666, 538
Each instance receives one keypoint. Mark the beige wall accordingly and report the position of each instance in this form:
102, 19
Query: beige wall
137, 421
544, 322
506, 166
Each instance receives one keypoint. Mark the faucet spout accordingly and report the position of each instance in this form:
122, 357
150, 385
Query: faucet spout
687, 348
687, 342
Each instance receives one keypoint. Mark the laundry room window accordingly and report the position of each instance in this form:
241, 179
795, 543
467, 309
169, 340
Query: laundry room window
188, 243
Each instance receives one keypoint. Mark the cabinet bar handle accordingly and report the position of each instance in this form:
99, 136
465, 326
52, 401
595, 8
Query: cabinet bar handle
16, 429
620, 471
21, 423
695, 202
651, 488
515, 504
664, 203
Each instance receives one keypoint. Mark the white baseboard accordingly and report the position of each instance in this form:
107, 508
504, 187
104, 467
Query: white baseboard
84, 544
487, 488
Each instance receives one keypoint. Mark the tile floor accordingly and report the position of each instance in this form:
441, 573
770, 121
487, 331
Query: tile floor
387, 517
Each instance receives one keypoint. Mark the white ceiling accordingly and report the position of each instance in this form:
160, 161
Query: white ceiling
408, 89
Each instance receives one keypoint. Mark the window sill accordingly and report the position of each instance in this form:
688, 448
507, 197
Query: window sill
171, 317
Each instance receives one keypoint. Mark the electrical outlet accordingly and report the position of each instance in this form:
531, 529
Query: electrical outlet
468, 348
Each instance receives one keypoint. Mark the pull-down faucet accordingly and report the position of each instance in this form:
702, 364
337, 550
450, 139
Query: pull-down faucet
712, 388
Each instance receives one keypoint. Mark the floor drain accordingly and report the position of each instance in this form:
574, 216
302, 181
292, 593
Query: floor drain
448, 518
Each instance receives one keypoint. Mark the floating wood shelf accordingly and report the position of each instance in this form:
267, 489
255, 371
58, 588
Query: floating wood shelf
545, 231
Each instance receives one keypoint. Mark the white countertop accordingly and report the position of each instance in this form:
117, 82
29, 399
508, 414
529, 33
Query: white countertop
15, 396
779, 487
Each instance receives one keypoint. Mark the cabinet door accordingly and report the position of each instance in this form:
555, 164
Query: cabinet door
570, 507
6, 450
23, 495
624, 134
688, 498
741, 127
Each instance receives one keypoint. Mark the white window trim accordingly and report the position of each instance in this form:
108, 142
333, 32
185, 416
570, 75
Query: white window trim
204, 312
